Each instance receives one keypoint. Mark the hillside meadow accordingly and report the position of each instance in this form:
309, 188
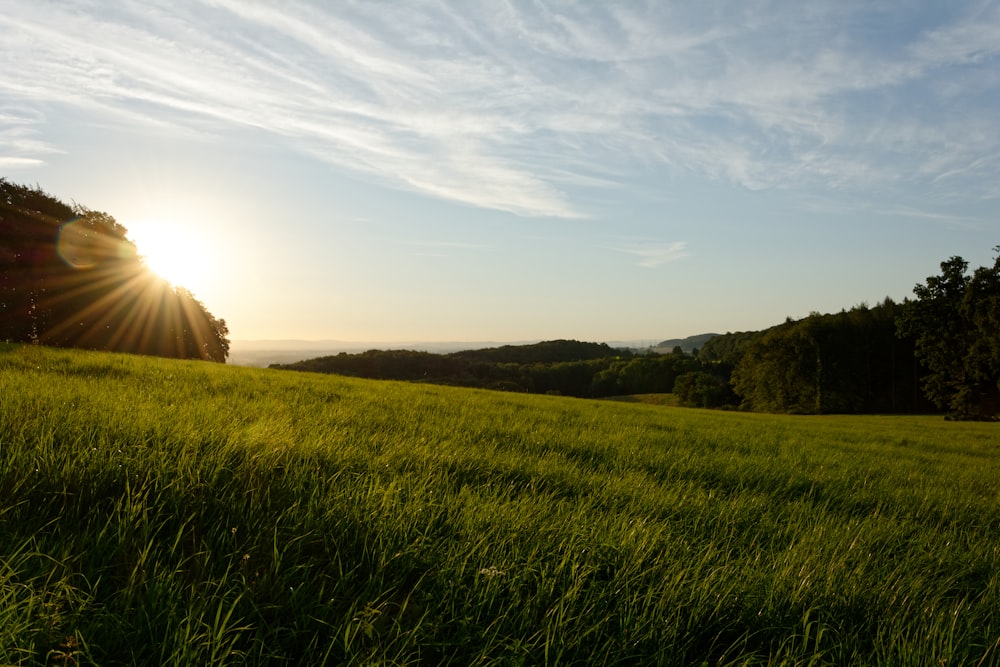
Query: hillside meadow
163, 512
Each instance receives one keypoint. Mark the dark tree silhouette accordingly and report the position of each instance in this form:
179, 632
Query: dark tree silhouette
69, 277
846, 362
955, 321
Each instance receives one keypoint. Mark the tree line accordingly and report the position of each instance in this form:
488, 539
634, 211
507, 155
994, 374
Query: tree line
70, 277
847, 362
938, 352
566, 367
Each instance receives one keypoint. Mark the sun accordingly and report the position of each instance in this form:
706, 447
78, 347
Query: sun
175, 251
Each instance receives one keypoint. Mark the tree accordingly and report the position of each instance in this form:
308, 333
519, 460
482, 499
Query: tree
846, 362
699, 389
777, 372
955, 322
70, 277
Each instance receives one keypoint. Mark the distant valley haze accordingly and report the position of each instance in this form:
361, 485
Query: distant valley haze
266, 352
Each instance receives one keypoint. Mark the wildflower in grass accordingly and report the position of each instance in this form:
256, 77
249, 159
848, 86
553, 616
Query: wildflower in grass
491, 572
67, 651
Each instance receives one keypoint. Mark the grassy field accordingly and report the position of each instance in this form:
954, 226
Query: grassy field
164, 513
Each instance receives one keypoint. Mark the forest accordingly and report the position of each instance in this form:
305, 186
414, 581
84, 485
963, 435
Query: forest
566, 367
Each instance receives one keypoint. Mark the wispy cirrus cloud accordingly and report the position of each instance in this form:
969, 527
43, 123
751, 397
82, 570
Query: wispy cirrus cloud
20, 144
14, 163
511, 106
651, 255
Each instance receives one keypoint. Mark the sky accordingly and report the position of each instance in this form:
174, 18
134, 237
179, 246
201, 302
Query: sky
514, 171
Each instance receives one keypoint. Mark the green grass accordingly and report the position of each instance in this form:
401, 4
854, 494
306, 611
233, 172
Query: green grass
164, 513
670, 400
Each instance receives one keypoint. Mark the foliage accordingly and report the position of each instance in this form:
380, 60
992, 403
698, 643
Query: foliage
168, 512
726, 349
699, 389
955, 321
646, 374
70, 277
550, 351
847, 362
569, 368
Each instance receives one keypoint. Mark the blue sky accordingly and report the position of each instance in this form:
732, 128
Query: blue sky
512, 171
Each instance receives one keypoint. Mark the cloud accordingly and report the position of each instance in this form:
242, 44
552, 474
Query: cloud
656, 254
514, 106
972, 39
19, 162
946, 219
20, 146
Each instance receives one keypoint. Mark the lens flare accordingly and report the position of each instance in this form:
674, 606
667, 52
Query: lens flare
82, 245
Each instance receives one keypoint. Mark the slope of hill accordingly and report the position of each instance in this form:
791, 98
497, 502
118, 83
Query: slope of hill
545, 352
178, 512
688, 344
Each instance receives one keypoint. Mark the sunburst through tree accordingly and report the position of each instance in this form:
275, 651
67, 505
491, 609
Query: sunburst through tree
71, 278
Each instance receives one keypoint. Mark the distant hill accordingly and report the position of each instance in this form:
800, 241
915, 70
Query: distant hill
567, 367
263, 353
402, 364
549, 351
687, 344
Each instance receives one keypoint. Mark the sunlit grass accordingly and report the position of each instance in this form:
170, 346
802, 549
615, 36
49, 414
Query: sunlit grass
164, 512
